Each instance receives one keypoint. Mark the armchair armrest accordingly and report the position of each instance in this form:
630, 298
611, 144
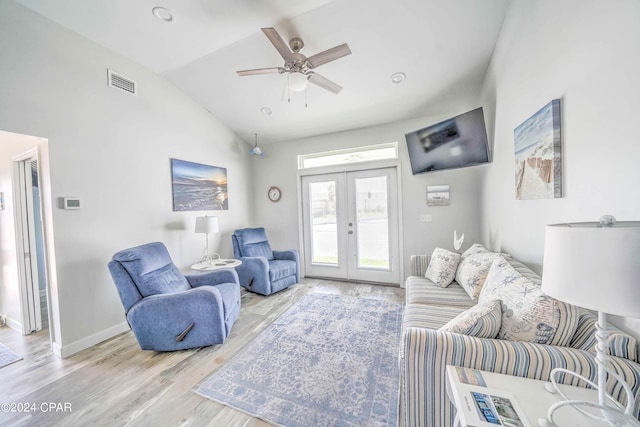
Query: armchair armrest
159, 319
428, 351
215, 277
290, 255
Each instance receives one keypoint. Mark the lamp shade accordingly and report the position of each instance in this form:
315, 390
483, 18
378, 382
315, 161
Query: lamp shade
297, 82
206, 224
594, 266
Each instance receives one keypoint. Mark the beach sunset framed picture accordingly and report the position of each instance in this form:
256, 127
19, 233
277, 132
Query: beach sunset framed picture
538, 155
198, 187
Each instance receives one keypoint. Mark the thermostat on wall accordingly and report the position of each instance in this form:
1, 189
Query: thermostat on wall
70, 203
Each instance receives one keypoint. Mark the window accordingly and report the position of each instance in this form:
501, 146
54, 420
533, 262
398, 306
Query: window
352, 155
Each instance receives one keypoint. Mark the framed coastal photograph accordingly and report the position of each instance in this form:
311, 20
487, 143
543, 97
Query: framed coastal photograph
437, 195
198, 187
538, 155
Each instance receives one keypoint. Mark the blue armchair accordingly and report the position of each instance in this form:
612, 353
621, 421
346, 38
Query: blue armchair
263, 270
168, 311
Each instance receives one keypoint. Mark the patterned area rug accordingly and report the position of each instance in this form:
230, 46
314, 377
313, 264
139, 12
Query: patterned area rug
330, 360
7, 356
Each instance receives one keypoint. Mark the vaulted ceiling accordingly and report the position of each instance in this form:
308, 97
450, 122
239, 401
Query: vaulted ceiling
442, 46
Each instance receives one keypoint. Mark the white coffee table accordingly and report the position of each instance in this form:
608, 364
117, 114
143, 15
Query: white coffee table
216, 264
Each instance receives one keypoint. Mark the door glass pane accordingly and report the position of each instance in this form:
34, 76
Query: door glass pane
324, 232
373, 222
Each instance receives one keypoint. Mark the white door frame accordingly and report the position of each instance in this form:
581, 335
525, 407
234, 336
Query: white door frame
352, 168
29, 290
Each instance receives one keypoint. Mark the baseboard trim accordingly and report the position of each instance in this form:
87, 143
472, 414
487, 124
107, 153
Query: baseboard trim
67, 350
13, 324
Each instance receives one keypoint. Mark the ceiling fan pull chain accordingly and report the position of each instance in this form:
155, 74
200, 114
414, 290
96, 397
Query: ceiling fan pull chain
305, 97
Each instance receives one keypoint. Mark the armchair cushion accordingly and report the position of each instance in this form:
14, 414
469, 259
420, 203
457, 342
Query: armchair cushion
166, 280
252, 242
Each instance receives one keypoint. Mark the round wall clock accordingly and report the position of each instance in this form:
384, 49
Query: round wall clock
274, 194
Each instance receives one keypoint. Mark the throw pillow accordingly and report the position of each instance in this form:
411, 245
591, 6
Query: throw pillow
476, 248
482, 321
528, 314
442, 267
472, 272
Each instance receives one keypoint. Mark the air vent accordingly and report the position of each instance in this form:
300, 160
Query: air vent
118, 81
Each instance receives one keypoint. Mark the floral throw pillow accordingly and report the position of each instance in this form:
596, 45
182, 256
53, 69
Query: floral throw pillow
528, 314
472, 272
481, 320
442, 267
476, 248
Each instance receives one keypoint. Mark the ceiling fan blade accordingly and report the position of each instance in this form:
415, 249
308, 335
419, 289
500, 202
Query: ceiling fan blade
328, 55
325, 83
278, 43
272, 70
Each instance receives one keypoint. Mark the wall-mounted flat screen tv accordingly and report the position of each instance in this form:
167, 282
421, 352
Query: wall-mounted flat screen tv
454, 143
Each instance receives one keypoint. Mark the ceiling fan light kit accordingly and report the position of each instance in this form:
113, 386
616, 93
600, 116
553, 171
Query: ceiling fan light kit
298, 66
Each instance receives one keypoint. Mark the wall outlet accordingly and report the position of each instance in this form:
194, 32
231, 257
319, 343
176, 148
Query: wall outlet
426, 218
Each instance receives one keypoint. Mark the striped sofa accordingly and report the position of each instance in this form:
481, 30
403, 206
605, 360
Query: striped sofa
425, 351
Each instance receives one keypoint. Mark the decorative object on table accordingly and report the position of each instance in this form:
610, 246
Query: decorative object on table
328, 360
256, 150
168, 311
457, 241
7, 356
595, 266
274, 194
198, 187
538, 158
438, 195
205, 225
263, 270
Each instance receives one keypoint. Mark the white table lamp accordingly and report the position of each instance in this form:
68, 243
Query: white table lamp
207, 224
596, 266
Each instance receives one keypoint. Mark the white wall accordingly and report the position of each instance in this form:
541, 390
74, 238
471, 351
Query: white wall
586, 53
279, 168
111, 150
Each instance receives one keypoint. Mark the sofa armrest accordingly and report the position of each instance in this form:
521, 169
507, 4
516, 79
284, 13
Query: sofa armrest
419, 264
427, 352
212, 278
157, 320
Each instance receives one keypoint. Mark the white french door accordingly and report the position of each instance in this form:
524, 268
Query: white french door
351, 225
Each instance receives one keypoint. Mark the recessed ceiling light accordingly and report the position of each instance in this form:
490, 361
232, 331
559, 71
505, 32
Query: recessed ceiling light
162, 13
266, 111
398, 77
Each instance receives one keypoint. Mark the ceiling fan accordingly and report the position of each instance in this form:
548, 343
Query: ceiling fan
299, 67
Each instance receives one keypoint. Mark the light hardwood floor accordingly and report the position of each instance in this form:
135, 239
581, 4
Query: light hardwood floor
115, 383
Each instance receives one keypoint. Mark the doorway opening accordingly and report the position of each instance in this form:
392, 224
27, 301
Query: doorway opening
30, 242
28, 289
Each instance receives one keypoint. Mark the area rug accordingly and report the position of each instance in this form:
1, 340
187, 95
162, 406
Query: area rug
330, 360
7, 356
